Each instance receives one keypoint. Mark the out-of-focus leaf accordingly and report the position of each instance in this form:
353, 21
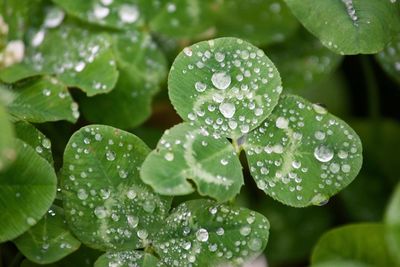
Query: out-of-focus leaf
7, 149
390, 58
392, 221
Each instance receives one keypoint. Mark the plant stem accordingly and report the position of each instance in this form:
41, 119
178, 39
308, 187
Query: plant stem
372, 89
17, 260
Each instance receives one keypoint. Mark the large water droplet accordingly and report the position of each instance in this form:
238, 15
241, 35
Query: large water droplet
255, 244
202, 235
245, 230
221, 80
323, 153
133, 221
54, 17
128, 13
282, 123
227, 110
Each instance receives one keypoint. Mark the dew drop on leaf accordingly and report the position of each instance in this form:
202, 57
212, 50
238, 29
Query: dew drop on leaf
323, 153
221, 80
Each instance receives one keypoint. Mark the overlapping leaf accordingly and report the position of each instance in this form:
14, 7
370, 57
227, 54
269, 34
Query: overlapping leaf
226, 85
188, 152
204, 233
390, 58
302, 155
49, 240
106, 204
7, 150
358, 245
142, 67
41, 100
27, 189
349, 26
75, 55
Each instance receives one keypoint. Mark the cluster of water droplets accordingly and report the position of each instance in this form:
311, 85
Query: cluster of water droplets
102, 185
120, 14
237, 88
390, 56
302, 146
215, 235
351, 11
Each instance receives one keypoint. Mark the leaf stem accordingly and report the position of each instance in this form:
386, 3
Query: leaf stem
372, 89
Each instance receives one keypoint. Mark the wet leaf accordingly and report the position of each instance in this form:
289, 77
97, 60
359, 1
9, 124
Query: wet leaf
7, 150
392, 222
127, 259
84, 55
203, 233
349, 26
187, 152
118, 14
27, 189
226, 85
303, 61
41, 100
390, 58
106, 204
142, 68
33, 137
261, 21
302, 155
49, 240
356, 245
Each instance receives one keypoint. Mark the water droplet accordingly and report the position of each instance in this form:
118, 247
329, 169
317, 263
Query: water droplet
221, 80
128, 13
282, 123
142, 234
200, 87
334, 167
80, 66
82, 194
186, 245
38, 38
224, 162
220, 231
54, 17
46, 143
227, 110
202, 235
219, 56
100, 212
245, 230
123, 174
255, 244
149, 206
100, 12
110, 155
132, 221
131, 194
319, 109
323, 153
98, 137
30, 221
169, 156
319, 135
188, 51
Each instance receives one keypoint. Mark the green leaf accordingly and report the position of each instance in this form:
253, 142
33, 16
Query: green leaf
302, 155
188, 152
41, 100
106, 204
392, 222
349, 26
179, 18
303, 61
142, 68
127, 259
49, 240
335, 263
204, 233
27, 189
33, 137
261, 21
118, 14
77, 56
225, 84
7, 149
83, 257
357, 245
390, 58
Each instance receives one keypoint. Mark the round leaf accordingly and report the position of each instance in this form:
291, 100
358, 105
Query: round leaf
187, 152
261, 21
203, 233
49, 240
126, 259
106, 204
7, 150
225, 84
77, 56
27, 189
349, 26
33, 137
142, 67
392, 221
390, 58
302, 155
41, 100
359, 244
